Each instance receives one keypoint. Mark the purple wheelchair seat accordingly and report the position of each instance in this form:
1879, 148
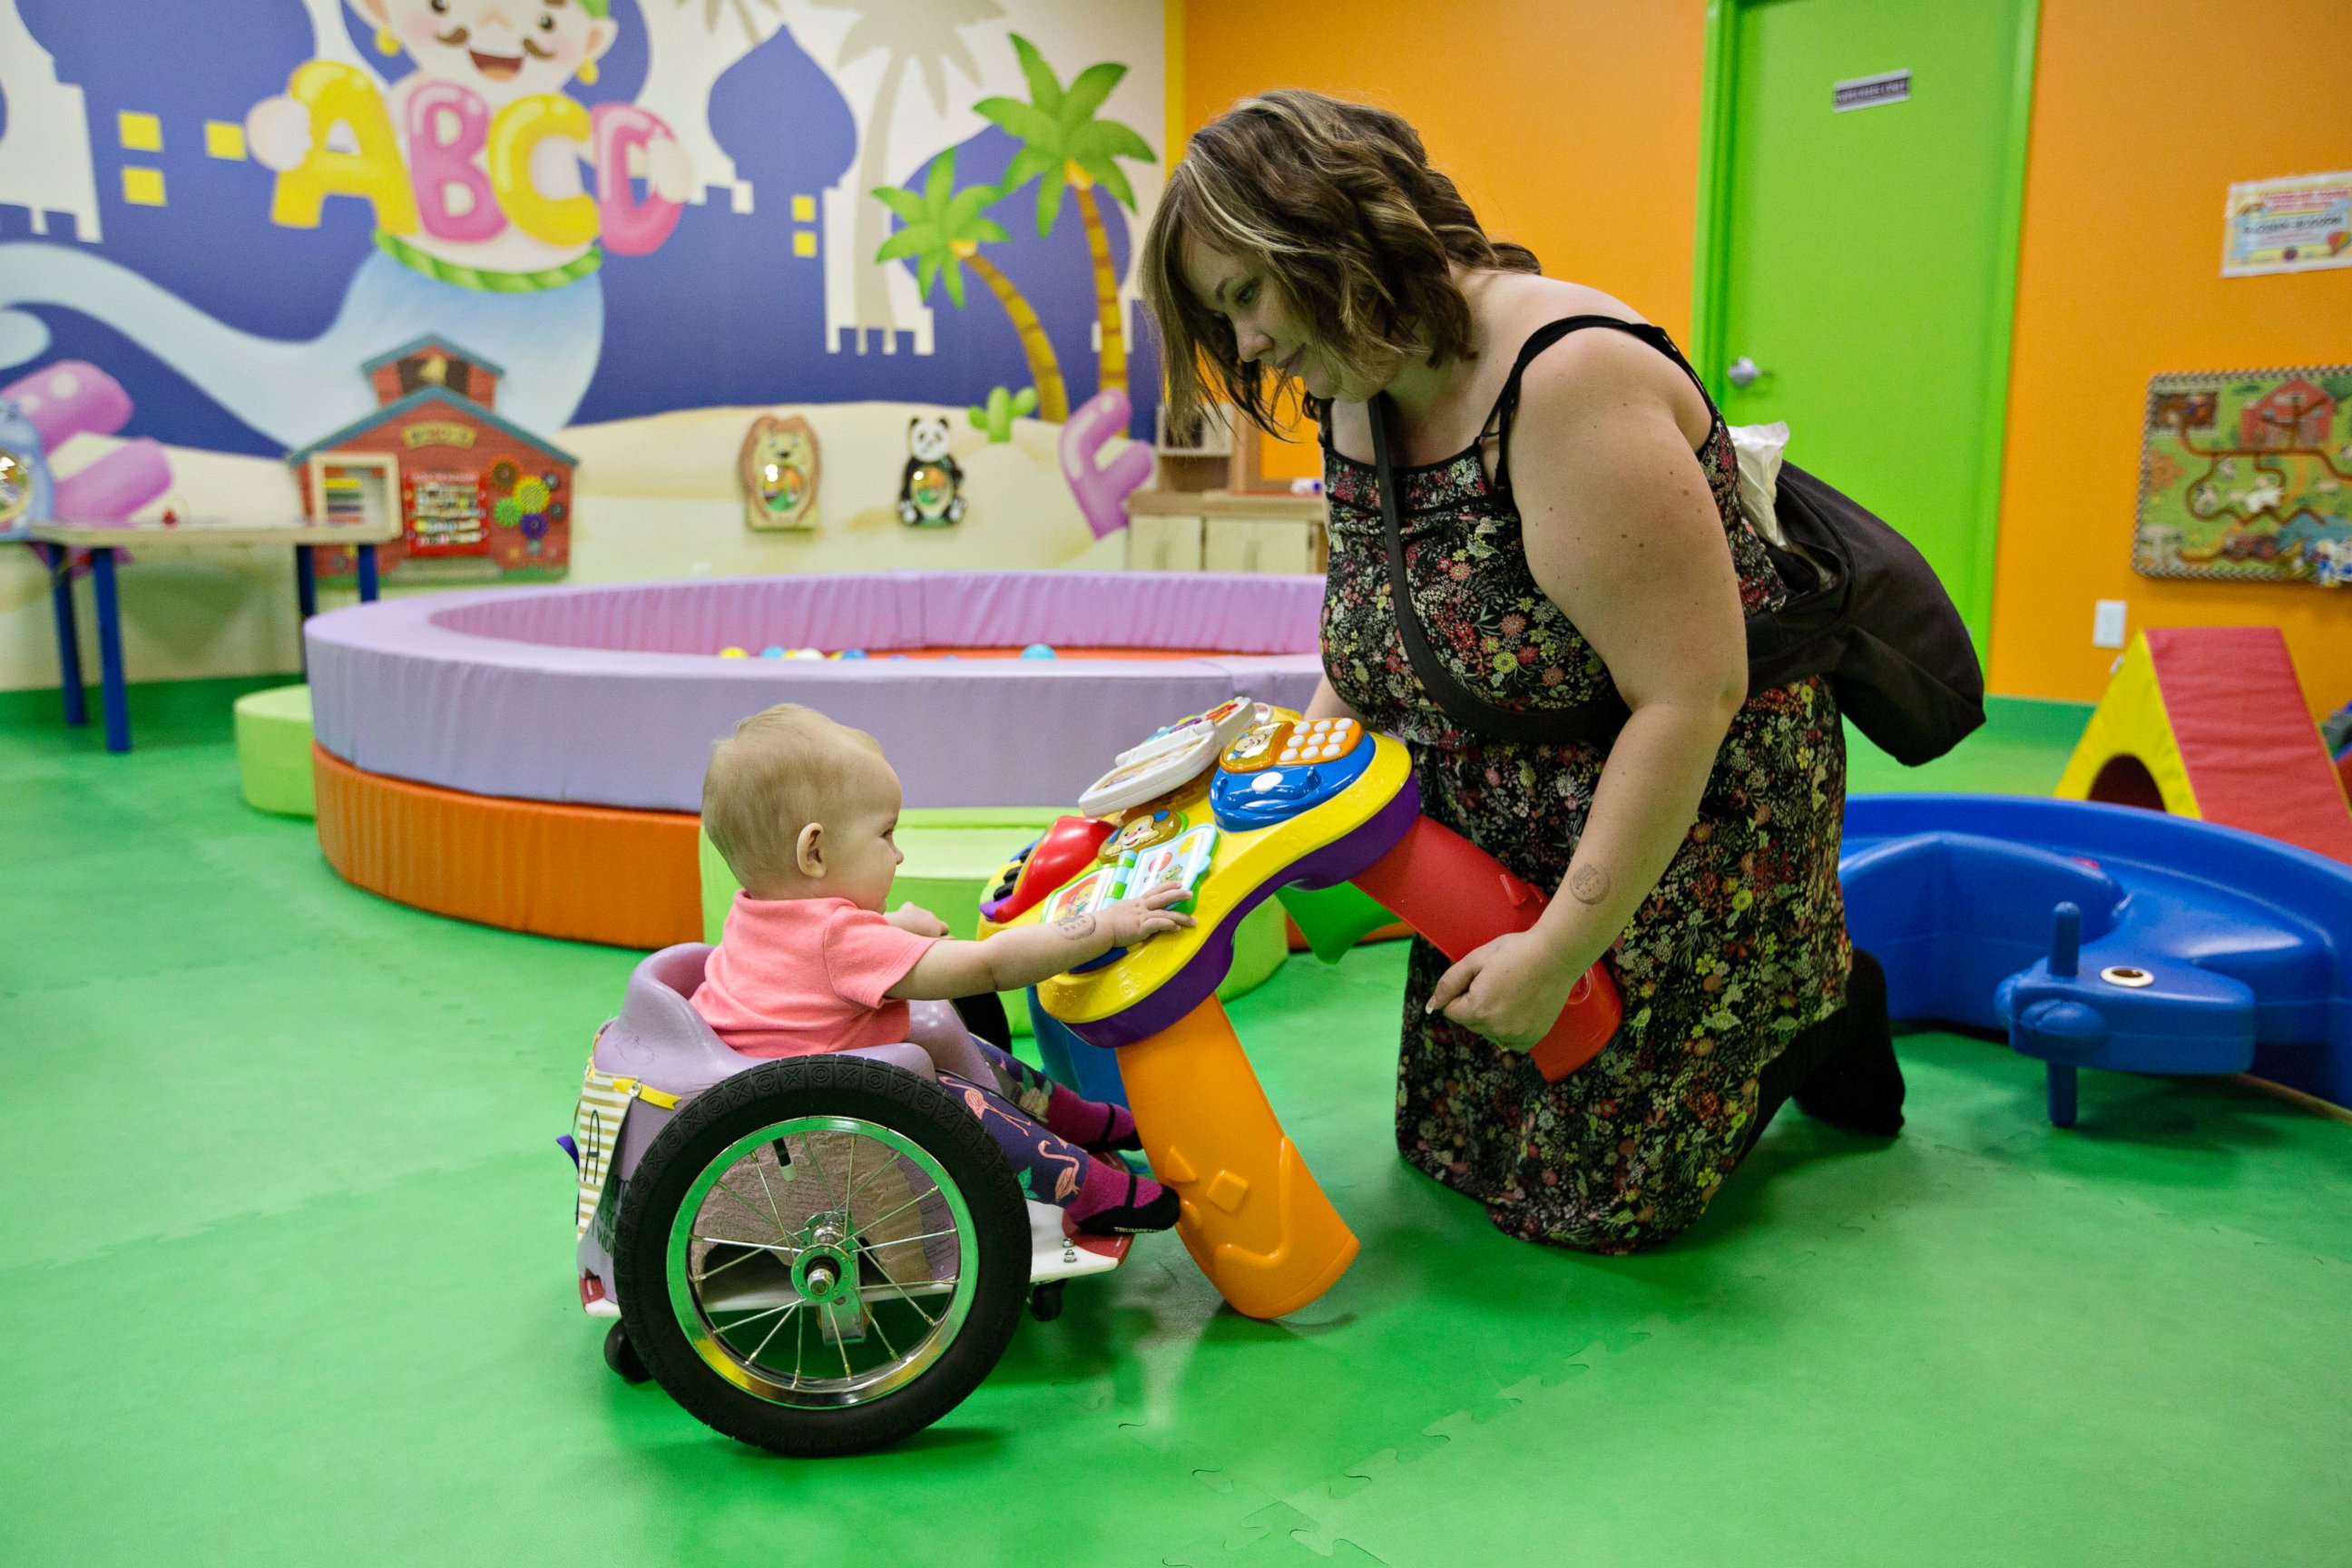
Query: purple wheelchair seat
661, 1040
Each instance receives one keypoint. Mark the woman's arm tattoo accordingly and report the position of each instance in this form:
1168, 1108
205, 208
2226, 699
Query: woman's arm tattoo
1590, 883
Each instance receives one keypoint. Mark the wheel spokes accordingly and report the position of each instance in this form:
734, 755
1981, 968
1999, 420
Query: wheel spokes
899, 1176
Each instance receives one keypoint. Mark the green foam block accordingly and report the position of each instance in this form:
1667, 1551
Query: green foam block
1335, 919
273, 750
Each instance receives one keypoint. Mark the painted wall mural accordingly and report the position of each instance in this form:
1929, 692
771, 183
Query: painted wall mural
629, 208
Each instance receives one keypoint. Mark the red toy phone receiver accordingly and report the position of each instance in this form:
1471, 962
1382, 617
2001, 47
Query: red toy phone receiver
1460, 898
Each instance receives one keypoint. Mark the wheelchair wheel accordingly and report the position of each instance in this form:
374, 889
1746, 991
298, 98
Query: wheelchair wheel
821, 1256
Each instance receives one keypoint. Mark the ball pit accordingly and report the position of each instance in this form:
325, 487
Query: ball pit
541, 715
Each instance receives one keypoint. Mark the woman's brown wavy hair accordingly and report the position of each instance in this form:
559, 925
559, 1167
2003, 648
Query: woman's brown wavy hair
1336, 204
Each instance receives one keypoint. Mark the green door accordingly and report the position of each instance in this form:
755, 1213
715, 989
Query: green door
1857, 263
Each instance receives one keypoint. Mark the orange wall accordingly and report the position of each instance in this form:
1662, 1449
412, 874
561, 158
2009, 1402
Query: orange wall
1571, 125
2120, 279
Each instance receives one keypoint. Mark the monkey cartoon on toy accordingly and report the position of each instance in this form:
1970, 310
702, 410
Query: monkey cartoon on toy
779, 466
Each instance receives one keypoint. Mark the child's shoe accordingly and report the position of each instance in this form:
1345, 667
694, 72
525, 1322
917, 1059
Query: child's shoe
1115, 1200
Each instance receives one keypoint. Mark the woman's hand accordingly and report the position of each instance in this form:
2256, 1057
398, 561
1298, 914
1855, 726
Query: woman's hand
1511, 990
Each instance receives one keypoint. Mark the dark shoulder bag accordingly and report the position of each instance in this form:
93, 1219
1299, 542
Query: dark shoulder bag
1864, 608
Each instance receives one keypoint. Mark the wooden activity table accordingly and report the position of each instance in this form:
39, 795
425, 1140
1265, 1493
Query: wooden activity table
55, 541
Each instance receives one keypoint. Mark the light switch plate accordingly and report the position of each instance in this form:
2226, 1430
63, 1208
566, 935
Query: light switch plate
2108, 624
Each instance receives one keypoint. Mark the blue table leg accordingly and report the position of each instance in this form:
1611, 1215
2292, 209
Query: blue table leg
367, 574
1091, 1070
306, 591
116, 698
60, 564
2062, 1095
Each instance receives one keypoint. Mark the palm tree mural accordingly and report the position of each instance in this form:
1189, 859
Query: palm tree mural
711, 9
1062, 143
920, 37
944, 230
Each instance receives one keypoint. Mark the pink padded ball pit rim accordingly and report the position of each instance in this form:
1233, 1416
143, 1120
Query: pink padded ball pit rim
881, 611
588, 695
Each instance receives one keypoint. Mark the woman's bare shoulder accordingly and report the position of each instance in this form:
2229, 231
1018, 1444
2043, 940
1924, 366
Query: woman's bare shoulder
1596, 367
1514, 304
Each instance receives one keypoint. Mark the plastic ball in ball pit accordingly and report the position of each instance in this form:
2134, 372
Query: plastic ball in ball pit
733, 653
1039, 651
853, 653
806, 653
771, 651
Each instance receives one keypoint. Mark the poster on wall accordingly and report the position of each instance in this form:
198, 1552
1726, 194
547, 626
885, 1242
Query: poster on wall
2301, 224
472, 240
2246, 476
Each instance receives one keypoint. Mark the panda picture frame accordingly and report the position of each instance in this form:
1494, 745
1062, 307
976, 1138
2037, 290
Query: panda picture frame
930, 486
780, 467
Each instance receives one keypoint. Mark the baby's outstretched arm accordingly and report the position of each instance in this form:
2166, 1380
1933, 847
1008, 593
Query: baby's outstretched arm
1015, 960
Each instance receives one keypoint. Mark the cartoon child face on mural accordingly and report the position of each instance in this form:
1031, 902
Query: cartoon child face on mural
505, 49
478, 159
496, 194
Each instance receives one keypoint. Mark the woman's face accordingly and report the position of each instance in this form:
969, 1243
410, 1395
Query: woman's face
1267, 330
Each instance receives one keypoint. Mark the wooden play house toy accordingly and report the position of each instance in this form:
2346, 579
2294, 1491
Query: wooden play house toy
477, 498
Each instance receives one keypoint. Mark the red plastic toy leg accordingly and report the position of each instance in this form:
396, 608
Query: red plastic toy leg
1461, 897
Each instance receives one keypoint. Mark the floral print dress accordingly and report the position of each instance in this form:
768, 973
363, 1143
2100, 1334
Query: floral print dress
1742, 944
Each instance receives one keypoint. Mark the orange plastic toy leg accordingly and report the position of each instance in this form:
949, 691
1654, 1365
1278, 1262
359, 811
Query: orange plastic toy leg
1255, 1219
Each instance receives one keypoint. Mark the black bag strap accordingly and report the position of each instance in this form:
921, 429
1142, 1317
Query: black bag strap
1595, 721
1550, 333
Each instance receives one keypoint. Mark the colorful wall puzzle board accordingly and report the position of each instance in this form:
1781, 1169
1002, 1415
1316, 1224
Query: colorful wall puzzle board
2246, 476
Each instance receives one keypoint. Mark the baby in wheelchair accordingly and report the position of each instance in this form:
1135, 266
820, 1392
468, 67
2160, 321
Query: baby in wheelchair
804, 810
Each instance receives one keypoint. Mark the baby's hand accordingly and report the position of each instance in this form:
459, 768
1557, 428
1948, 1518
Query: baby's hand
1131, 920
915, 919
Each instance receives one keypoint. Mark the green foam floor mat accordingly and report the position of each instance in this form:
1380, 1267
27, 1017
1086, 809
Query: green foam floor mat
287, 1268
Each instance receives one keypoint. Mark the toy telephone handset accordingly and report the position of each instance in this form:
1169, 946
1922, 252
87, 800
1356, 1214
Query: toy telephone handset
1172, 758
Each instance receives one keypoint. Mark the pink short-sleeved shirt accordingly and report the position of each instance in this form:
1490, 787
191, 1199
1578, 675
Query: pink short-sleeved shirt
800, 977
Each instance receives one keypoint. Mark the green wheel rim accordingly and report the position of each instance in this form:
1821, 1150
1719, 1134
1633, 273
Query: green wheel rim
789, 1264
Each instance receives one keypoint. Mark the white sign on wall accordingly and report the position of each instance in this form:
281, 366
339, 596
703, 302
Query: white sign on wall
2300, 223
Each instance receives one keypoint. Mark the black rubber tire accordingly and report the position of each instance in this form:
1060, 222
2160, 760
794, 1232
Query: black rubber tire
622, 1356
821, 1086
1045, 1301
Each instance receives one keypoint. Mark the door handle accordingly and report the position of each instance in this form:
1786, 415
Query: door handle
1743, 371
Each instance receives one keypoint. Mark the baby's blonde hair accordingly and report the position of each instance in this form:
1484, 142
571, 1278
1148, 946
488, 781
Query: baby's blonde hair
784, 768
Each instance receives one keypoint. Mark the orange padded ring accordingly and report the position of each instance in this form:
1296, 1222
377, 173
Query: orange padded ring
587, 873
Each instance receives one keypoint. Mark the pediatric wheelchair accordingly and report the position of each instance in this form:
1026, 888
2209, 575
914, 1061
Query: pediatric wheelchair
816, 1255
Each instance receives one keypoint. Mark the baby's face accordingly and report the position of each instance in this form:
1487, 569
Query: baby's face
861, 850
